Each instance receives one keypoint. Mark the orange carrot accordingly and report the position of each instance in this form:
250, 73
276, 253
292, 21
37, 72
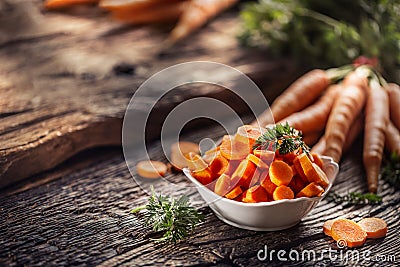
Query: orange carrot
257, 161
223, 185
376, 120
392, 138
233, 149
280, 173
165, 12
297, 184
60, 4
317, 160
320, 146
297, 96
312, 137
374, 227
311, 190
346, 108
265, 182
255, 194
133, 5
235, 192
219, 164
195, 162
205, 176
244, 173
394, 97
327, 227
249, 134
314, 117
358, 77
313, 172
151, 169
196, 14
283, 192
349, 232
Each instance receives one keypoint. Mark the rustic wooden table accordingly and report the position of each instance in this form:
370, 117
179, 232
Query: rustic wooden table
65, 81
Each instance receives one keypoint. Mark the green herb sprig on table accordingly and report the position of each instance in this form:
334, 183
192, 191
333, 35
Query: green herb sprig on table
326, 33
282, 138
175, 217
391, 171
354, 198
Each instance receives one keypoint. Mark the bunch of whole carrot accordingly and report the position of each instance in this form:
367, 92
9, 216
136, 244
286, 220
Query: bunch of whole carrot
331, 107
190, 14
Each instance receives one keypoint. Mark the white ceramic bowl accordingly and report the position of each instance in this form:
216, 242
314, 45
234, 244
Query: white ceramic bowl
264, 216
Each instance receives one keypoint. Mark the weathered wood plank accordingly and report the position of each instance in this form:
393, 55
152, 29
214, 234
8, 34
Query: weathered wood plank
83, 218
66, 77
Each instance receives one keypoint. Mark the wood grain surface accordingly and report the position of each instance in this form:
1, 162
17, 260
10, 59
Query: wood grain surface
66, 79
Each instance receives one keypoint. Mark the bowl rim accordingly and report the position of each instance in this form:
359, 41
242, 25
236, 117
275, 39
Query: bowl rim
329, 160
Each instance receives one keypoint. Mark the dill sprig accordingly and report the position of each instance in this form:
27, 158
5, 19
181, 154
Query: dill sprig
391, 170
354, 198
175, 217
283, 138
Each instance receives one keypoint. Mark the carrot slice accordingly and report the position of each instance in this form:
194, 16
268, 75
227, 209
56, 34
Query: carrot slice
244, 173
265, 155
151, 169
297, 184
203, 176
280, 173
317, 160
60, 4
299, 170
211, 154
219, 164
255, 180
267, 184
311, 190
195, 162
283, 192
234, 193
374, 227
257, 161
234, 149
327, 227
249, 134
179, 151
223, 185
313, 172
255, 194
348, 231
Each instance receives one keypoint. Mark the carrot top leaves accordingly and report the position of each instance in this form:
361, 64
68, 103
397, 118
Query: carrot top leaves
282, 138
355, 198
174, 217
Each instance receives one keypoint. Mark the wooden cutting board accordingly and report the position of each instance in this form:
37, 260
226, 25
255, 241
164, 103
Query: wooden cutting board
66, 79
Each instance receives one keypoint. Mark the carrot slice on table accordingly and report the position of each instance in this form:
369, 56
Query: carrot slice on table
311, 190
244, 173
327, 227
60, 4
280, 173
151, 169
283, 192
255, 194
374, 227
234, 193
234, 149
348, 231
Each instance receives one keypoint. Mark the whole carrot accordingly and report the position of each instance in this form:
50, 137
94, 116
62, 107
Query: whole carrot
314, 117
59, 4
376, 120
196, 14
394, 98
358, 77
392, 138
312, 137
320, 146
346, 108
